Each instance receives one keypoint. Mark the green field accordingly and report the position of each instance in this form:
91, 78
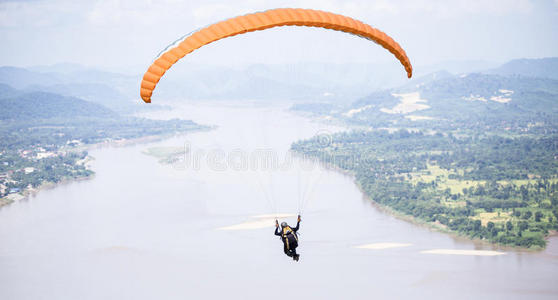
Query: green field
166, 155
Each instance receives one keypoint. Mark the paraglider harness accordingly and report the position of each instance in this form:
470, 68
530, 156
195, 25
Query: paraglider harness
289, 237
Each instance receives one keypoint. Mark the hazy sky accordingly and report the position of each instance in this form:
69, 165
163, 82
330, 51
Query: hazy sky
129, 33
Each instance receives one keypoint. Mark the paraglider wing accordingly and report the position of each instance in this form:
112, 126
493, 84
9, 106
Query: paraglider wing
260, 21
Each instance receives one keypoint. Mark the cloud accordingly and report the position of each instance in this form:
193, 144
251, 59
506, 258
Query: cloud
212, 11
106, 13
5, 1
38, 14
125, 12
434, 8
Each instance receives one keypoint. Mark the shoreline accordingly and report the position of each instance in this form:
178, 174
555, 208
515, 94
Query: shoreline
443, 229
425, 224
27, 193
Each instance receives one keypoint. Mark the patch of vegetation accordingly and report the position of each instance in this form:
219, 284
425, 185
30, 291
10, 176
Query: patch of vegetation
166, 155
504, 190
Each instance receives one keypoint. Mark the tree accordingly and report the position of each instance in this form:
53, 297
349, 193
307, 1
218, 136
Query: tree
523, 225
477, 225
538, 216
509, 225
524, 193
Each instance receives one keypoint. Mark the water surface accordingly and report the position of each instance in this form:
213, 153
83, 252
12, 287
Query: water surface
142, 230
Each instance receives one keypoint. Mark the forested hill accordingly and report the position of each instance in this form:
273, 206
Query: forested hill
469, 93
32, 119
511, 103
6, 90
542, 68
115, 91
42, 105
523, 90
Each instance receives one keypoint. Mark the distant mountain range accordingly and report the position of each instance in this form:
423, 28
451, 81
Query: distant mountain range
541, 68
517, 94
105, 88
337, 84
31, 118
460, 95
24, 105
293, 82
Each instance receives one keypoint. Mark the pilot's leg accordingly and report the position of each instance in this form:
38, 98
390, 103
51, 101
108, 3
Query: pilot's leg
287, 251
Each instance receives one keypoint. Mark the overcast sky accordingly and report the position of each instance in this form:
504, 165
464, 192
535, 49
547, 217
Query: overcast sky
128, 33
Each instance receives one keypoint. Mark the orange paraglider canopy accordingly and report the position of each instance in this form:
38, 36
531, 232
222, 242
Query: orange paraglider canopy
260, 21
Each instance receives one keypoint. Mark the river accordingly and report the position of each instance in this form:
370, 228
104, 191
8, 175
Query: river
194, 229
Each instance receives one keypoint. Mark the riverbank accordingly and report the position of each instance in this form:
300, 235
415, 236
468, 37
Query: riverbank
434, 226
438, 227
5, 201
32, 191
433, 178
28, 191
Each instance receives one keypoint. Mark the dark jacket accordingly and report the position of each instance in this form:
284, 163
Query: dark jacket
289, 240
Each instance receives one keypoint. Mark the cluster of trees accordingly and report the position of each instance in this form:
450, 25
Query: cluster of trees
515, 177
56, 132
53, 134
52, 169
499, 158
